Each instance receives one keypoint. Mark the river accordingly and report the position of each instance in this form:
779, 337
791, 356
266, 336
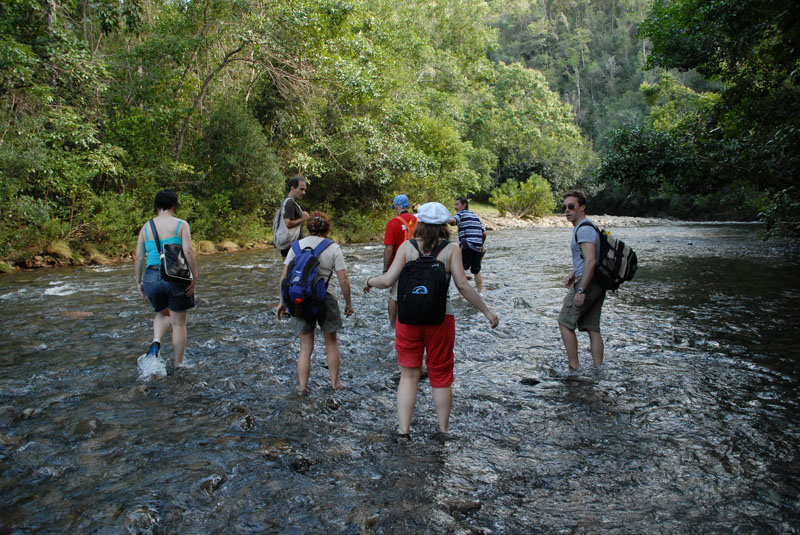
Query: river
692, 427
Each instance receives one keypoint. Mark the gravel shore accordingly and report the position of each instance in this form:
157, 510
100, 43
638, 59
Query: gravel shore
498, 223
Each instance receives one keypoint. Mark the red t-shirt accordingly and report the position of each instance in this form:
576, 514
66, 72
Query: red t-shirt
395, 233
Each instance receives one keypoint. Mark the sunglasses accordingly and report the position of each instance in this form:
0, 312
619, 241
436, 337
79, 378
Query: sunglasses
570, 206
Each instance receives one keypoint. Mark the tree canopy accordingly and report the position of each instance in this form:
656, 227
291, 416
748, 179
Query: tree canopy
104, 103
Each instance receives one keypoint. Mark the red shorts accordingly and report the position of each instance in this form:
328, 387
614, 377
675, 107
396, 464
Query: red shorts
412, 341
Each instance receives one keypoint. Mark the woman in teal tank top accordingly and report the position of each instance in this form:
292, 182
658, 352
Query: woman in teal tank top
170, 300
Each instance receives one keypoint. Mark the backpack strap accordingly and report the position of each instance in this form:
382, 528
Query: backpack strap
434, 252
438, 249
283, 207
575, 234
155, 236
296, 248
321, 247
413, 242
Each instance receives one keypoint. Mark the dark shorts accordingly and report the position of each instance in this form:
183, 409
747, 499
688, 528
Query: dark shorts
163, 294
285, 252
471, 258
586, 318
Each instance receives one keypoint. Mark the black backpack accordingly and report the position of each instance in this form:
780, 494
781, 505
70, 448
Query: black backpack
617, 263
422, 288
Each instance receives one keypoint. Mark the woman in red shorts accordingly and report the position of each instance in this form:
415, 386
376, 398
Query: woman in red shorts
412, 341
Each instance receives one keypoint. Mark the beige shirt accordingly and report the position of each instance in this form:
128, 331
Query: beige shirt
331, 259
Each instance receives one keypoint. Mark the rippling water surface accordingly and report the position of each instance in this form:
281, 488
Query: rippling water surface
691, 428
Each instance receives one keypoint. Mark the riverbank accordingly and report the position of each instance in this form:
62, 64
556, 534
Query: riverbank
496, 222
62, 256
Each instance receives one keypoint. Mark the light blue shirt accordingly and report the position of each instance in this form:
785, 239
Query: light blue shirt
583, 233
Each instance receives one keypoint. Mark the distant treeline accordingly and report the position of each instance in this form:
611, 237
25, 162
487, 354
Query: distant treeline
104, 103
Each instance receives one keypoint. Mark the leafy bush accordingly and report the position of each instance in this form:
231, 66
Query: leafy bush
781, 214
529, 199
237, 161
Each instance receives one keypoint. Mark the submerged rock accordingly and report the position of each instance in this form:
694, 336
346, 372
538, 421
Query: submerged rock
144, 519
87, 427
210, 484
30, 412
301, 464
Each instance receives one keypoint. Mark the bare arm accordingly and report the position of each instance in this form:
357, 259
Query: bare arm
466, 289
589, 251
291, 223
393, 273
188, 250
387, 256
282, 305
344, 283
139, 263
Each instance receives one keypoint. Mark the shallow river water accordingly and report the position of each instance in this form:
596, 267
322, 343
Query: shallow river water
692, 427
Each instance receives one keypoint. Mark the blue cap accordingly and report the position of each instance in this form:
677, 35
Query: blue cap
401, 201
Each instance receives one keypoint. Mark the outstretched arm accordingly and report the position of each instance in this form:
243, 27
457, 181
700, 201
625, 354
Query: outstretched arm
139, 263
466, 289
393, 273
282, 306
344, 282
188, 250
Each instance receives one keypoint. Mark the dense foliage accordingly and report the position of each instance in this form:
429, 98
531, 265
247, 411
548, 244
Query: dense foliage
104, 103
738, 145
692, 106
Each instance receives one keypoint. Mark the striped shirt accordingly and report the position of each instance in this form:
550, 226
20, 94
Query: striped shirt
470, 229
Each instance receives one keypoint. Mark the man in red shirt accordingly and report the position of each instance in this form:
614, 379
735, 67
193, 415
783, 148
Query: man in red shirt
398, 229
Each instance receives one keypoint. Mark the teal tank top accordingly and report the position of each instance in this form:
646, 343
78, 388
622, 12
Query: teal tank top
153, 258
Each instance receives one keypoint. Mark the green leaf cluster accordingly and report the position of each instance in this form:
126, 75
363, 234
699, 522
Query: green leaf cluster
525, 200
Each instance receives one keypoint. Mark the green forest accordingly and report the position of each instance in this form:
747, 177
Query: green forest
678, 108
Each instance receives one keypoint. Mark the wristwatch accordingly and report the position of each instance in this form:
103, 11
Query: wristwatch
579, 290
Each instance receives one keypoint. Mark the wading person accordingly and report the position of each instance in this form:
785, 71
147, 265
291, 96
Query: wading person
584, 301
170, 300
471, 239
331, 260
291, 216
434, 340
398, 229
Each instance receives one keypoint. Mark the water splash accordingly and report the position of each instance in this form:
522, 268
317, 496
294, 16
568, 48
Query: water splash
151, 366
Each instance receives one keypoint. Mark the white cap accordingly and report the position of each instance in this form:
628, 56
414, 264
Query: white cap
433, 213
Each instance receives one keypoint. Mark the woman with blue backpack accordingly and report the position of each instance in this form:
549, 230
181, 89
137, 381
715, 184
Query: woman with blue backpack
309, 293
426, 325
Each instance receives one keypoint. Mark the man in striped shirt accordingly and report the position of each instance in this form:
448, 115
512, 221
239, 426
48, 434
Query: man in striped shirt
471, 236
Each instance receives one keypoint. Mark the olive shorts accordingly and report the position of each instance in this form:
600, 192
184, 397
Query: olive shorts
586, 318
332, 323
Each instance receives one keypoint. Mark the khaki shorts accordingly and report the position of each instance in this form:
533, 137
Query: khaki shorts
332, 323
586, 318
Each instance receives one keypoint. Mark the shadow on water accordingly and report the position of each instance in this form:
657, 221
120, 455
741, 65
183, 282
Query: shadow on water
690, 427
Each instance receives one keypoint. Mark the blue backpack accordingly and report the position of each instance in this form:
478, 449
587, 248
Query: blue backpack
304, 289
